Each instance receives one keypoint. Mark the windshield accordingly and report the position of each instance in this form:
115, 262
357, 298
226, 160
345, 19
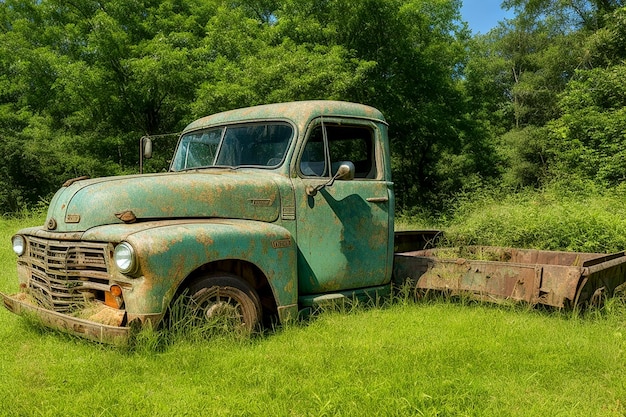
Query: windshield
249, 145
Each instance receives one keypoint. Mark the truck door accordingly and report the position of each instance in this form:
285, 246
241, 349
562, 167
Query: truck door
344, 230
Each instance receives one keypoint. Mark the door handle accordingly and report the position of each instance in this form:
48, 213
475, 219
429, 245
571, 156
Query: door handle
377, 199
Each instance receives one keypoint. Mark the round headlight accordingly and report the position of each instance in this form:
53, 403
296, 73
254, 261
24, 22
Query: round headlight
124, 257
19, 245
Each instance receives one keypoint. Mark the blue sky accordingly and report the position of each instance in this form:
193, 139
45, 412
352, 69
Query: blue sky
483, 15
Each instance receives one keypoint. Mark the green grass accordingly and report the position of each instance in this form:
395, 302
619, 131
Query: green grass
435, 358
426, 359
8, 226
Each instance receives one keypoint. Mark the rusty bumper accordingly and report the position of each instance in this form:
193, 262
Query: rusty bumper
117, 335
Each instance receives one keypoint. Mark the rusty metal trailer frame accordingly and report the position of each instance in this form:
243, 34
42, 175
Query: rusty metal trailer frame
552, 278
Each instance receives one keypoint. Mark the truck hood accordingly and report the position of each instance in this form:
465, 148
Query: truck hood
243, 194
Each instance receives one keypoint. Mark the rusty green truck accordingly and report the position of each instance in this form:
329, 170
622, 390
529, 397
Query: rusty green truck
264, 212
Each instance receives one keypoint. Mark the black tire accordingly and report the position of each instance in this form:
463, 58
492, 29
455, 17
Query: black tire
226, 298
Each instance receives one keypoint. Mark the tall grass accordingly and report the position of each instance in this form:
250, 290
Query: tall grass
556, 218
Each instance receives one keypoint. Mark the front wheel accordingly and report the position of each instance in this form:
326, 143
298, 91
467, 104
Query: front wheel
225, 300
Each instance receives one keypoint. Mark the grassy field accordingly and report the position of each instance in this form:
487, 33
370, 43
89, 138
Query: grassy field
436, 358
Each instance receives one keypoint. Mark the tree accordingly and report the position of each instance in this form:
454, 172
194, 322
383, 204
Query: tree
88, 78
92, 77
517, 73
416, 52
589, 137
576, 14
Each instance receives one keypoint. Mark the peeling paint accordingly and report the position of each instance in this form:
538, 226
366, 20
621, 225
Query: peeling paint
557, 279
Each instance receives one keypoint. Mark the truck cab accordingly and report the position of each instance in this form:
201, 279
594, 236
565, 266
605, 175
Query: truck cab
264, 211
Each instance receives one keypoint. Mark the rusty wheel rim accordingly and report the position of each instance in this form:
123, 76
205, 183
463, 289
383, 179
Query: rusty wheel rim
225, 306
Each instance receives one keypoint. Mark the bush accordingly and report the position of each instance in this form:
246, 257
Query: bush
575, 217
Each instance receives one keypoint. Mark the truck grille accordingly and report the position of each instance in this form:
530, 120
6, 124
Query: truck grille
63, 272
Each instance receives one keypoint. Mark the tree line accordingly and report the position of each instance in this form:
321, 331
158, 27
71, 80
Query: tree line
539, 98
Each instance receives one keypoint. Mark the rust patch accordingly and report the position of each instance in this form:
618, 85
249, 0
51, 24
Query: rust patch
103, 314
126, 216
558, 279
288, 288
73, 180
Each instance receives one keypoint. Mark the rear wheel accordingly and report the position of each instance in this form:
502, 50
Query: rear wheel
225, 300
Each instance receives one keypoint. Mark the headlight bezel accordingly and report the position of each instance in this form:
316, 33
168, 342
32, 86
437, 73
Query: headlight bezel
125, 258
19, 244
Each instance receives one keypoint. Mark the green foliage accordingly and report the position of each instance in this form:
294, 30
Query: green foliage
589, 136
525, 153
93, 77
607, 46
282, 72
537, 98
585, 14
571, 215
549, 86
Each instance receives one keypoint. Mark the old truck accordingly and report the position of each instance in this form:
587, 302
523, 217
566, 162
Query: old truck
264, 212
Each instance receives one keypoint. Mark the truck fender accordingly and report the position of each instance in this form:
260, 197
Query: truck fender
169, 254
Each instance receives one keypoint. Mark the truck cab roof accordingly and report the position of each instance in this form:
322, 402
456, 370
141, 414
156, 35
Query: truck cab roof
299, 113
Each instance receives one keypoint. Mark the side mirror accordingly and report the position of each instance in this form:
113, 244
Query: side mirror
147, 147
145, 151
344, 172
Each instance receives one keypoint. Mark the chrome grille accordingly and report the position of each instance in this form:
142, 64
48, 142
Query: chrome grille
60, 271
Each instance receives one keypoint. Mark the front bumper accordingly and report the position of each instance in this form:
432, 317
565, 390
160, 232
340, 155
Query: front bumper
117, 335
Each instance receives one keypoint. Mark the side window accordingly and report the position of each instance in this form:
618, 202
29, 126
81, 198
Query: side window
313, 161
345, 143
